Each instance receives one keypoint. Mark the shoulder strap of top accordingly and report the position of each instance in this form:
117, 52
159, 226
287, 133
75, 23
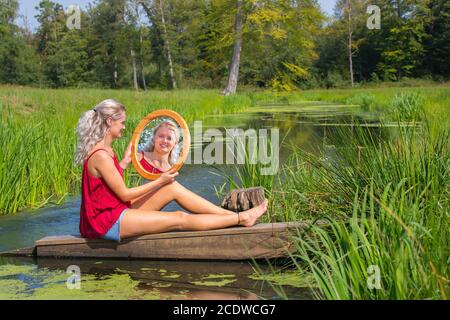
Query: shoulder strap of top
143, 157
95, 152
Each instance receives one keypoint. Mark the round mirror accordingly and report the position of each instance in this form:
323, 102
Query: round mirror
160, 143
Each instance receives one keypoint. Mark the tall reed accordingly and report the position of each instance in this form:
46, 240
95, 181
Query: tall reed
388, 203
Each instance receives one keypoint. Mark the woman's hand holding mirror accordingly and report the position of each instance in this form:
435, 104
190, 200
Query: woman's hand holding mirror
168, 177
126, 157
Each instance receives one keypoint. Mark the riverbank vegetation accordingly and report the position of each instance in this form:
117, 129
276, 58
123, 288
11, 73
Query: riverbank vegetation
387, 200
384, 192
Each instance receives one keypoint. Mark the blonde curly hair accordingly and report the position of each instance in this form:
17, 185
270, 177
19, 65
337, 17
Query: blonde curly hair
92, 126
174, 153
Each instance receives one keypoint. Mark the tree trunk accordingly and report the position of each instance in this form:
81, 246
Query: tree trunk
167, 45
236, 58
151, 14
243, 199
115, 72
144, 84
133, 62
350, 32
46, 44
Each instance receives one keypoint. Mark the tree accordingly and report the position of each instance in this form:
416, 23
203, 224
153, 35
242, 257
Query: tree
281, 44
237, 47
9, 47
276, 41
109, 44
348, 9
350, 24
280, 39
17, 54
401, 40
66, 62
438, 42
63, 52
155, 11
134, 36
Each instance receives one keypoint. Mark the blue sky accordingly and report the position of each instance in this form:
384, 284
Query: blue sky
27, 8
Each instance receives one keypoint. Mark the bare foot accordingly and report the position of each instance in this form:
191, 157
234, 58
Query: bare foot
248, 218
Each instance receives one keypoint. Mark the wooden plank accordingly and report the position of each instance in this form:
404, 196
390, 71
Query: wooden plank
29, 251
260, 241
259, 228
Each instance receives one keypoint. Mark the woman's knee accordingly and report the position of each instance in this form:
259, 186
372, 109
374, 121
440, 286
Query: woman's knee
173, 189
182, 220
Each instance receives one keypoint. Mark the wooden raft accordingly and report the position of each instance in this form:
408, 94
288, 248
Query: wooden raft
262, 241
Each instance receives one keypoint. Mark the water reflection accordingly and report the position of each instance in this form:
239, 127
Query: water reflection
155, 279
313, 127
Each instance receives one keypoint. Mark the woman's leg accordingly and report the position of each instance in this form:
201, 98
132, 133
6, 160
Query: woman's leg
184, 197
139, 222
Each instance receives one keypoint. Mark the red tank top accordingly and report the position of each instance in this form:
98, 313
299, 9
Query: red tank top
100, 207
147, 166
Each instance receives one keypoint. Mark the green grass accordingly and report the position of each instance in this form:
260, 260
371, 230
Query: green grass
398, 220
387, 205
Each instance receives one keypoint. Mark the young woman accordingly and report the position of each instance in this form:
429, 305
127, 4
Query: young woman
160, 153
110, 210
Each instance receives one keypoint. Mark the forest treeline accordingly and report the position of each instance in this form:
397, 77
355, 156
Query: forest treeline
281, 44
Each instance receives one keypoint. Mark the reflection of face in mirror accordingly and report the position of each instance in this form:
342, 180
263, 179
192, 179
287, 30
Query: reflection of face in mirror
159, 145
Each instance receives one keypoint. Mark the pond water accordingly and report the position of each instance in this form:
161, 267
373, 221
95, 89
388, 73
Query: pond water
303, 124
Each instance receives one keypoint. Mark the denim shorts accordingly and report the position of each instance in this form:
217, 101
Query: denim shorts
114, 233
